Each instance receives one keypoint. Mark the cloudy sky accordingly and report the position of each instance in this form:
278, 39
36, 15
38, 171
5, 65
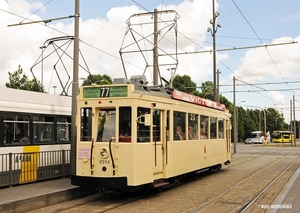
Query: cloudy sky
266, 76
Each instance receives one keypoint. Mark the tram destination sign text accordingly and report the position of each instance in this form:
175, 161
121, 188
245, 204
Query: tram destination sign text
105, 92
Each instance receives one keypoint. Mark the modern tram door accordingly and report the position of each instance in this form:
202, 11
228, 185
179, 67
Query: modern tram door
159, 135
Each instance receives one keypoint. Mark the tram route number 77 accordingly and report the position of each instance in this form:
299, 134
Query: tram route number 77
104, 92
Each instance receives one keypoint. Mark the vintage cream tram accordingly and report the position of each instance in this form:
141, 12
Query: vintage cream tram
128, 135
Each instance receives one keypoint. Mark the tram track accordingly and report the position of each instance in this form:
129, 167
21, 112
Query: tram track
250, 193
100, 202
249, 184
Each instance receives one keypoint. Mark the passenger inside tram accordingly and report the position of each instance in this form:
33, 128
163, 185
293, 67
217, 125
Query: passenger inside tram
191, 133
179, 134
203, 133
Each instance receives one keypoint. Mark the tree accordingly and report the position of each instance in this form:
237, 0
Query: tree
97, 79
207, 90
185, 84
18, 80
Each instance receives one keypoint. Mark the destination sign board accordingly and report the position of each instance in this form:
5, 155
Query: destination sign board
197, 100
105, 92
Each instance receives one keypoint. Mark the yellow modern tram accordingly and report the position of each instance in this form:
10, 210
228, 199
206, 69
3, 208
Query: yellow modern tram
130, 135
280, 136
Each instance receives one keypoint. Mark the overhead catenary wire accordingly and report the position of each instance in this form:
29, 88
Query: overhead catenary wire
259, 40
136, 65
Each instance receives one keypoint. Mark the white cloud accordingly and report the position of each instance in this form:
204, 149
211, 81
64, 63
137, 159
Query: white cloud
278, 98
280, 61
101, 42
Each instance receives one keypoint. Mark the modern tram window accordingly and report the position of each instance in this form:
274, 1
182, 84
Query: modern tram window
156, 125
16, 129
179, 125
221, 128
203, 127
213, 128
63, 129
143, 131
43, 129
193, 127
106, 126
86, 124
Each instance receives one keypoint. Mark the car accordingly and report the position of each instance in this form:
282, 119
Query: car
258, 140
248, 141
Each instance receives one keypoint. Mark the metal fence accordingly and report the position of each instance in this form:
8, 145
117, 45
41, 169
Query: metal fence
19, 168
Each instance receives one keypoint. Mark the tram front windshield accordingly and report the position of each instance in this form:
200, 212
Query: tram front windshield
106, 126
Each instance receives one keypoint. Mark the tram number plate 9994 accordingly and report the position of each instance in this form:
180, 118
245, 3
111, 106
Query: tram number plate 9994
103, 161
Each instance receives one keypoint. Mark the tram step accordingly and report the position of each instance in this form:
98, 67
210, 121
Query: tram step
160, 184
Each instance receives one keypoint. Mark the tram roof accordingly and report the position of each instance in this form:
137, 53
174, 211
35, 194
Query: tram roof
122, 90
29, 101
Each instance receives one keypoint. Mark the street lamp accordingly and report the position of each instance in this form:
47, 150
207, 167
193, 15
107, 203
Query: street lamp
237, 118
213, 32
265, 120
54, 87
235, 115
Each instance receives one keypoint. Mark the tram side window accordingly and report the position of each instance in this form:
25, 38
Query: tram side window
16, 129
43, 129
143, 131
86, 124
221, 128
193, 127
179, 125
63, 129
213, 127
203, 127
106, 126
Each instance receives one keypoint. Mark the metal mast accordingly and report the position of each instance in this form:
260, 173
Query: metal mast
155, 53
75, 88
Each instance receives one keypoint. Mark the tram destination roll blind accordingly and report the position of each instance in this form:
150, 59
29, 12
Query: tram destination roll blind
104, 92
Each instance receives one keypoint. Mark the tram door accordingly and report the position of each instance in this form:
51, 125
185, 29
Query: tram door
159, 134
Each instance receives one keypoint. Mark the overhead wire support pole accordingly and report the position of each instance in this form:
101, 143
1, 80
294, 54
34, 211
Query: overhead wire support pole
294, 141
234, 117
265, 118
75, 89
155, 52
75, 78
214, 52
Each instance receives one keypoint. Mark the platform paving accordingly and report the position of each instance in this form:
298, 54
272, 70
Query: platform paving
27, 197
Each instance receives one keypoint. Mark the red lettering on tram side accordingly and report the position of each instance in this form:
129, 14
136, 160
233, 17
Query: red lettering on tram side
197, 100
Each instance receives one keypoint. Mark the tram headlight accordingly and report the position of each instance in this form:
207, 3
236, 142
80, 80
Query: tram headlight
104, 153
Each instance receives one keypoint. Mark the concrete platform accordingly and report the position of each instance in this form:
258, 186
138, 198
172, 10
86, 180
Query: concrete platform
28, 197
288, 200
32, 196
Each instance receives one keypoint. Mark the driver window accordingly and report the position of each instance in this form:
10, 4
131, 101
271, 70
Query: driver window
106, 125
